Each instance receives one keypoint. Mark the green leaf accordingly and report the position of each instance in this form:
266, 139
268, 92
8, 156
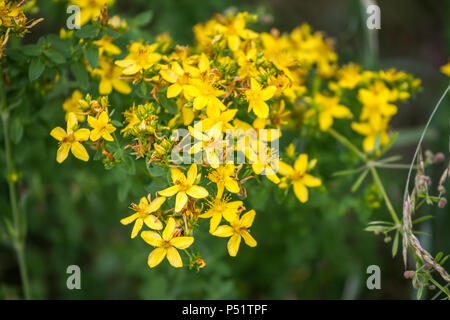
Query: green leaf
87, 31
117, 123
359, 180
32, 50
35, 69
81, 75
167, 104
156, 171
419, 292
395, 244
439, 256
16, 130
143, 18
91, 54
55, 56
421, 219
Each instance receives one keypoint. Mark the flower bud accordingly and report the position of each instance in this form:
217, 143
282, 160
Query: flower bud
442, 202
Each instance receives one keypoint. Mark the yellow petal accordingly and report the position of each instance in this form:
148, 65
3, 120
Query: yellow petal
233, 245
301, 163
177, 175
268, 92
200, 102
58, 133
153, 222
173, 90
247, 219
95, 135
180, 201
260, 108
137, 227
233, 42
249, 240
191, 91
182, 242
79, 151
71, 121
232, 185
214, 222
168, 192
197, 192
169, 229
129, 219
121, 86
63, 152
82, 134
285, 169
191, 174
105, 86
155, 204
311, 181
156, 256
223, 231
301, 192
152, 238
174, 257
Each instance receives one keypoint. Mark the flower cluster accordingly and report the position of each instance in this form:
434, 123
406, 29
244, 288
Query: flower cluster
14, 21
224, 103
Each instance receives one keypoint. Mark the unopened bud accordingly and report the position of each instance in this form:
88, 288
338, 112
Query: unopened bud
408, 274
439, 157
442, 202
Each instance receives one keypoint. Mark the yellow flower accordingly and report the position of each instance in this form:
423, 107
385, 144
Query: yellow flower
371, 129
109, 77
221, 208
166, 245
328, 108
264, 160
211, 143
101, 127
70, 140
349, 76
445, 69
223, 177
298, 176
217, 117
183, 187
237, 229
256, 97
141, 57
178, 78
143, 215
90, 9
105, 44
376, 100
73, 104
204, 95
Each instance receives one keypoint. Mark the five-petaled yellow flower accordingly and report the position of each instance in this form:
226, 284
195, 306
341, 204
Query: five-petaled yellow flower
101, 127
300, 179
256, 97
166, 245
237, 229
221, 208
144, 214
223, 177
70, 140
184, 187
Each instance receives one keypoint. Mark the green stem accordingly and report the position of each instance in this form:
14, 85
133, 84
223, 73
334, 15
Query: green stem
18, 221
380, 187
347, 143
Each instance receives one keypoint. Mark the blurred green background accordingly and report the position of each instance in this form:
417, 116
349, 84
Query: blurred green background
313, 251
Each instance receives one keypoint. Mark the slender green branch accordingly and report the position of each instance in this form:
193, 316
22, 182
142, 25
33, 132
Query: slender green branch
380, 187
347, 143
18, 220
